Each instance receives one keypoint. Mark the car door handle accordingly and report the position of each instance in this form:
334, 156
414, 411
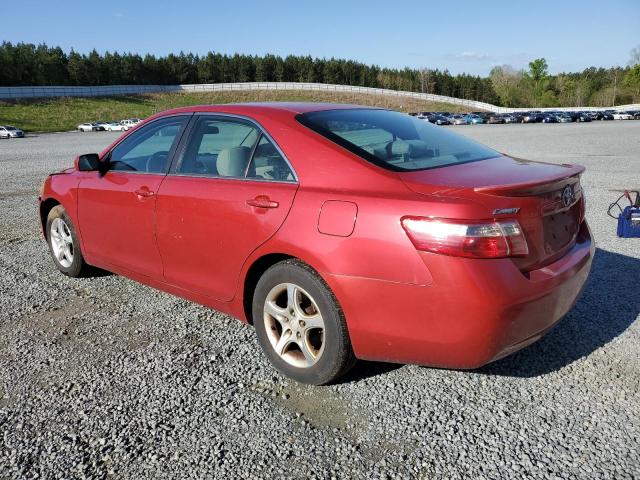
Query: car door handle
262, 201
144, 192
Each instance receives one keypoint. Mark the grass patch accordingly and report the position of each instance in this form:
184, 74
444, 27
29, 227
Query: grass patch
61, 114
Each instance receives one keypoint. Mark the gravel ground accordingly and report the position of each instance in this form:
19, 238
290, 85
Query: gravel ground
106, 378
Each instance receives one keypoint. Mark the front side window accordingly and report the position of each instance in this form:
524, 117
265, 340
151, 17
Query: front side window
235, 148
147, 150
394, 140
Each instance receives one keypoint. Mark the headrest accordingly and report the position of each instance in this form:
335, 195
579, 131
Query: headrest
413, 148
209, 129
232, 162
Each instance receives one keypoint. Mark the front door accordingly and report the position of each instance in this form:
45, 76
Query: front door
116, 208
230, 192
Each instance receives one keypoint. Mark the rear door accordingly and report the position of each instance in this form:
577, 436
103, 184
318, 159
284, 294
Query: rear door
116, 208
229, 192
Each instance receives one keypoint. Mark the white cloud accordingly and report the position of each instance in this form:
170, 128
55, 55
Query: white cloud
482, 57
475, 57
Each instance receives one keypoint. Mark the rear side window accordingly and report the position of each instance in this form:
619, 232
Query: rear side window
147, 150
268, 164
393, 140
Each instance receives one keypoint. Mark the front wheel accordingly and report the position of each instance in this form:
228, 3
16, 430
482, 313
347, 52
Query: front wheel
300, 325
63, 243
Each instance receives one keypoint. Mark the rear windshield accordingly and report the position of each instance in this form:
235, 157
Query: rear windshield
393, 140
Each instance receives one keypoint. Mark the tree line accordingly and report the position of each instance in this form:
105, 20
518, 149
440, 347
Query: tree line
28, 64
596, 87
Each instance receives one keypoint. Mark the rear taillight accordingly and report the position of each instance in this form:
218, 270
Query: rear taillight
465, 239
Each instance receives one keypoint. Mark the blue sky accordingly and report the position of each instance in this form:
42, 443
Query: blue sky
461, 35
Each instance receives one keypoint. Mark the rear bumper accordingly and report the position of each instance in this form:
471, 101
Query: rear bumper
474, 312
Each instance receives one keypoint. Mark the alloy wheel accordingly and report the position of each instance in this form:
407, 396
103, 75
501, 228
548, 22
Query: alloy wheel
294, 325
61, 242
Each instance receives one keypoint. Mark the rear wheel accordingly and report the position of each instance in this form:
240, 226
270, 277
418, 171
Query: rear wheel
63, 243
300, 326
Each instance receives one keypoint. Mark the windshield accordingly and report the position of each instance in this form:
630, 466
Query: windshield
393, 140
9, 127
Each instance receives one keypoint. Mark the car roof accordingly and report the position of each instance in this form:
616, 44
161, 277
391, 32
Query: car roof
266, 107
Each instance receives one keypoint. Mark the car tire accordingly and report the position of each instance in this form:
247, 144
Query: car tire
63, 243
300, 325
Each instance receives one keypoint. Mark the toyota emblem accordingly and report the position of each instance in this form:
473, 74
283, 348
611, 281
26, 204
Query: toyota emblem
567, 196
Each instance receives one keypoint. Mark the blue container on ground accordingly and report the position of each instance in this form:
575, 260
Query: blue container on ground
629, 222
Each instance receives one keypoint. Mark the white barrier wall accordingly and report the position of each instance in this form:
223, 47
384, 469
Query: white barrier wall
15, 93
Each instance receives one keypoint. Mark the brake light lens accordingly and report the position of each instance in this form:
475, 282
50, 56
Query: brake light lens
463, 239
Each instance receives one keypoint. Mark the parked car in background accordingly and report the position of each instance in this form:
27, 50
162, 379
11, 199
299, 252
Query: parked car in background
495, 118
439, 119
563, 118
9, 131
549, 118
458, 119
86, 127
102, 126
117, 127
483, 115
579, 117
473, 119
518, 116
605, 116
622, 116
229, 208
510, 118
131, 122
529, 117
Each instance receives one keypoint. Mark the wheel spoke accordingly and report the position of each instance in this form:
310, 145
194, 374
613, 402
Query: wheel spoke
304, 348
274, 310
292, 294
293, 300
60, 228
66, 237
283, 342
313, 321
61, 254
279, 314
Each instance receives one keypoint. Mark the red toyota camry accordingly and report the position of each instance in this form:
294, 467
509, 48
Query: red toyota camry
339, 232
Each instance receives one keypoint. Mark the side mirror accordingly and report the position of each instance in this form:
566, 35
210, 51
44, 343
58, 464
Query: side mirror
88, 163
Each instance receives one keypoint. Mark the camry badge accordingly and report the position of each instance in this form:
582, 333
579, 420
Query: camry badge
506, 211
567, 196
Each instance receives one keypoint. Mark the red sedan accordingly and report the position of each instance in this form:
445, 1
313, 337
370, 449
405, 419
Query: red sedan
339, 232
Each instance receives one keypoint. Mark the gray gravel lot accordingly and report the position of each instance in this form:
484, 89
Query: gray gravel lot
106, 378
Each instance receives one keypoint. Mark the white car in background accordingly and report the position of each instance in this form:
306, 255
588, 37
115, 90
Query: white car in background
622, 116
131, 122
116, 127
86, 127
9, 131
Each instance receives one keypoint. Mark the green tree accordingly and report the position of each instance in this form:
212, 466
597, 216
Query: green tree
537, 79
632, 80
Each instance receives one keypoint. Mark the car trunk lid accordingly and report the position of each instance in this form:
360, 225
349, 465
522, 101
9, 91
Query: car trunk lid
546, 199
